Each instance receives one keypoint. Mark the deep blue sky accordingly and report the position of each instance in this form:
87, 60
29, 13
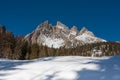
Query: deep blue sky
100, 16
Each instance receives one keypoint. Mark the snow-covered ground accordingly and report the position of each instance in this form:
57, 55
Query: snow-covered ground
61, 68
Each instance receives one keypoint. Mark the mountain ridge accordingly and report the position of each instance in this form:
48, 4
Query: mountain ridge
61, 35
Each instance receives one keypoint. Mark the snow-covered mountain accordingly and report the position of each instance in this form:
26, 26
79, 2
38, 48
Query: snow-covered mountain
61, 36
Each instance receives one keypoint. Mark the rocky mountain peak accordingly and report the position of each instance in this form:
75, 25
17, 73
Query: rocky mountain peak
73, 31
83, 30
45, 24
74, 28
61, 25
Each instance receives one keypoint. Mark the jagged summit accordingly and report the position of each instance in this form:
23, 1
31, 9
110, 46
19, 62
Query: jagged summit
42, 25
61, 36
74, 28
83, 30
61, 25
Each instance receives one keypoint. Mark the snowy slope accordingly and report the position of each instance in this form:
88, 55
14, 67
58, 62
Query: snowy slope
55, 43
86, 38
61, 68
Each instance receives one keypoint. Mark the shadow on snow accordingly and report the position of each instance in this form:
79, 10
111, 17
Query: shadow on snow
109, 70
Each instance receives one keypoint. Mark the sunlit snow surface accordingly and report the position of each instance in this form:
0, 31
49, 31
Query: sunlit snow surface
55, 43
61, 68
